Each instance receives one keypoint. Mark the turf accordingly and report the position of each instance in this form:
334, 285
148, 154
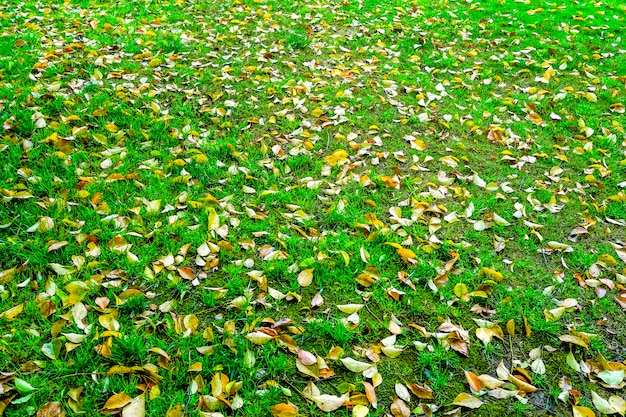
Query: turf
199, 193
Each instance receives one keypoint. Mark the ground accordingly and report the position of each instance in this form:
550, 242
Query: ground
246, 208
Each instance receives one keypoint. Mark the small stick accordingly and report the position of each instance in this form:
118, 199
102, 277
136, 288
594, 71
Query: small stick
545, 260
80, 374
188, 394
373, 315
582, 379
294, 388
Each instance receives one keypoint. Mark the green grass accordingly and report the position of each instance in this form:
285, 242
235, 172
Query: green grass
169, 168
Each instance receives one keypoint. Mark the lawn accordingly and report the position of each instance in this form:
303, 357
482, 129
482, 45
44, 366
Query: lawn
312, 207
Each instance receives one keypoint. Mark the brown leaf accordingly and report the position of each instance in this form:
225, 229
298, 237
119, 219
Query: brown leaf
460, 346
473, 381
424, 393
52, 409
186, 273
399, 408
442, 279
370, 394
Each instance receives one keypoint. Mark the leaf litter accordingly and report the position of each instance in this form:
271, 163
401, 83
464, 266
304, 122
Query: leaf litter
255, 207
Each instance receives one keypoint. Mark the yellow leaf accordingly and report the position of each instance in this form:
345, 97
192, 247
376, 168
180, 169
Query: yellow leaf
136, 407
535, 118
510, 327
355, 366
360, 410
13, 312
491, 273
259, 338
195, 367
337, 157
214, 220
558, 246
407, 255
117, 401
484, 334
467, 400
574, 339
305, 277
8, 274
580, 411
176, 411
460, 290
389, 182
350, 308
284, 410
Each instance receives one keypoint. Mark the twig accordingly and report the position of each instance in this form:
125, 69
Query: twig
80, 374
582, 379
373, 315
188, 394
294, 388
511, 347
545, 260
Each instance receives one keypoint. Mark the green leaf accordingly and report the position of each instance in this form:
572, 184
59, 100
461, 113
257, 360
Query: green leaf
23, 386
21, 400
52, 349
571, 361
613, 378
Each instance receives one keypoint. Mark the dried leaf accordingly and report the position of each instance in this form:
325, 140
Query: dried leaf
284, 410
467, 400
117, 401
305, 277
399, 408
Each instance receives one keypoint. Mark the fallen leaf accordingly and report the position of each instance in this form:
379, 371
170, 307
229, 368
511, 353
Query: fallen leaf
467, 400
305, 277
52, 409
284, 410
135, 408
580, 411
399, 408
117, 401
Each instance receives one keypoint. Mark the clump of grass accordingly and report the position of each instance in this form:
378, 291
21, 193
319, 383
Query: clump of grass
296, 41
129, 350
135, 305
